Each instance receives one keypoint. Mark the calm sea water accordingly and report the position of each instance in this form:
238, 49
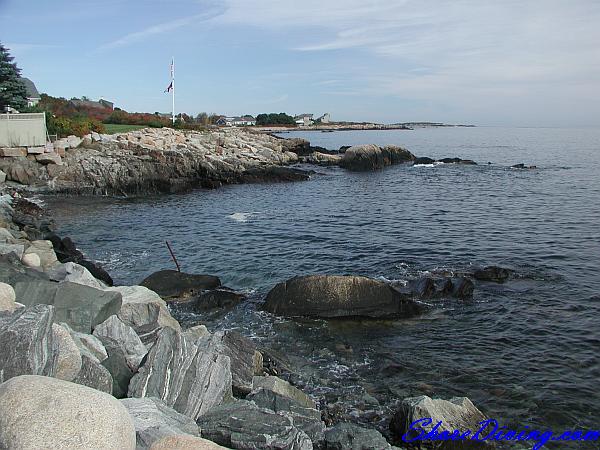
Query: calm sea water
525, 352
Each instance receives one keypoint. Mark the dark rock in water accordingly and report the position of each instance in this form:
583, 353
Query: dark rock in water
458, 161
245, 360
305, 419
522, 166
221, 299
97, 271
190, 375
67, 252
31, 217
299, 146
423, 160
423, 287
372, 157
94, 375
274, 174
27, 342
154, 420
79, 306
347, 436
462, 288
331, 296
492, 273
171, 283
244, 425
443, 287
456, 414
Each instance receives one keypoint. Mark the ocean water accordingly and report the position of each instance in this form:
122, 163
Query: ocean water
525, 352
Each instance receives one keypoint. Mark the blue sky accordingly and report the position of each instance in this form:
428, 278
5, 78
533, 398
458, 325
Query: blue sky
523, 63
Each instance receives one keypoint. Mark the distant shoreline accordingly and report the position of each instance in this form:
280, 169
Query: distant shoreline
341, 126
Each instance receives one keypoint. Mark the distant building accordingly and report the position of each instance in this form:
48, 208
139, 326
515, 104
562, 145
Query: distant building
325, 118
243, 121
33, 96
304, 120
101, 104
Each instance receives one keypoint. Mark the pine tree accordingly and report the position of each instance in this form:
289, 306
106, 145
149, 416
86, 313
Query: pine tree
12, 90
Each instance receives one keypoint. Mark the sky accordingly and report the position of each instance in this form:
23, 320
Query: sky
496, 63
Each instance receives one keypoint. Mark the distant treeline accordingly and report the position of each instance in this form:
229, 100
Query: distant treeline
275, 119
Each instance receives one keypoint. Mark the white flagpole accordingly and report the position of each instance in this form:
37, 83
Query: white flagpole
173, 86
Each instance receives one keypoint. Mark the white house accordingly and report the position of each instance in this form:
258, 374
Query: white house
325, 118
304, 120
33, 96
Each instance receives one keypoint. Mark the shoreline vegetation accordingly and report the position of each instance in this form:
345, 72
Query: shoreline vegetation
116, 361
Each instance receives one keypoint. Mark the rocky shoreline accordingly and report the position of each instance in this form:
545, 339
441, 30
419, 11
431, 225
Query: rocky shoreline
125, 373
151, 161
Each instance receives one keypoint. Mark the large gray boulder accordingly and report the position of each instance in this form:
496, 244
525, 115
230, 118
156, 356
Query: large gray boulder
41, 412
372, 157
81, 307
347, 436
192, 376
154, 420
27, 342
7, 297
244, 425
145, 311
74, 273
305, 419
331, 296
125, 352
171, 283
458, 413
68, 356
94, 375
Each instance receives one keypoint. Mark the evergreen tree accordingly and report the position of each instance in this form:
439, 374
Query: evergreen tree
12, 89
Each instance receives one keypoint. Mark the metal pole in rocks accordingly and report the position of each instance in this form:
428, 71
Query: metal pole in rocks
173, 256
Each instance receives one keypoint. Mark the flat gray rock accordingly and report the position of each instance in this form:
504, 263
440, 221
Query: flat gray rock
244, 425
81, 307
27, 342
190, 376
246, 360
154, 420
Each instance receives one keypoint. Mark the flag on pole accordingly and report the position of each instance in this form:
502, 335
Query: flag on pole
169, 87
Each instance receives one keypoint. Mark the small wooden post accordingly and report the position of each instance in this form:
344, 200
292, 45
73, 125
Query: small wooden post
173, 256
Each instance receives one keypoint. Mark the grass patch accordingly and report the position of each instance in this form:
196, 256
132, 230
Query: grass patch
113, 128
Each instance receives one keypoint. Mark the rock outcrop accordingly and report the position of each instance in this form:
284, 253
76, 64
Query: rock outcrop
331, 296
373, 157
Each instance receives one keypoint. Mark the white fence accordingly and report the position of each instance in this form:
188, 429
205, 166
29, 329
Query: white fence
22, 130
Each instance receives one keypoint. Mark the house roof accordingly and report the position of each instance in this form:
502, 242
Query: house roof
32, 91
88, 103
302, 116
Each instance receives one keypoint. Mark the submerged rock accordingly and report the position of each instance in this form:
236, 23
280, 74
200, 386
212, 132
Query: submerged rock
458, 413
27, 342
332, 296
171, 283
154, 420
244, 425
42, 412
492, 273
215, 300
